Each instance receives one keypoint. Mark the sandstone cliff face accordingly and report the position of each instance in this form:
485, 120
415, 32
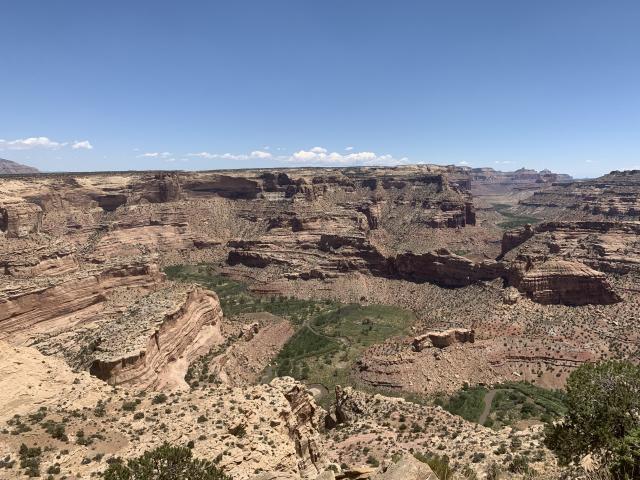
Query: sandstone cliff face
487, 181
26, 304
154, 332
569, 283
20, 219
303, 425
566, 262
514, 238
603, 245
612, 196
445, 268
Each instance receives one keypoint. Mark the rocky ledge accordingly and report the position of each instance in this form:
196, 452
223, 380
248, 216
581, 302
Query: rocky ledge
159, 329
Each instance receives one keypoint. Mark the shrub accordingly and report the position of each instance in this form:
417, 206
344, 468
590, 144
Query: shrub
160, 398
373, 461
129, 406
166, 462
600, 399
239, 430
439, 465
519, 464
626, 458
30, 460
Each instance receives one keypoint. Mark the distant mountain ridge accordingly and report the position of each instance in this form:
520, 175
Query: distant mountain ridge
8, 166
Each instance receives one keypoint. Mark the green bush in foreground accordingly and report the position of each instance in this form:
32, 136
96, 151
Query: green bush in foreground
166, 462
603, 417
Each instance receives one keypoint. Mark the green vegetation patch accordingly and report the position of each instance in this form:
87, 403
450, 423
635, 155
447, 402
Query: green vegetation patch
468, 403
512, 402
236, 299
324, 350
329, 338
514, 220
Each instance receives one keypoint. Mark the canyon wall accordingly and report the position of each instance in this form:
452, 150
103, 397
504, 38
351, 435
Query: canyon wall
152, 334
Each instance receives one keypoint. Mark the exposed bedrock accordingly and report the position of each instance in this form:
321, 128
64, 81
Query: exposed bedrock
26, 304
153, 333
445, 268
544, 281
514, 238
443, 339
564, 282
615, 195
609, 247
303, 423
19, 219
46, 258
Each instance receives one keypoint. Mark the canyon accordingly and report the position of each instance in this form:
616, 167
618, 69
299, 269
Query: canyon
87, 290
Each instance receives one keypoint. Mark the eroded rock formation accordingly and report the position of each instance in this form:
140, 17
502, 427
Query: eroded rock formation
565, 282
612, 196
263, 427
19, 219
443, 339
445, 268
487, 181
154, 332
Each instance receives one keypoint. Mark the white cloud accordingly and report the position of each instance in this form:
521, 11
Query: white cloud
217, 156
155, 155
31, 142
314, 156
463, 162
260, 154
320, 156
348, 149
84, 145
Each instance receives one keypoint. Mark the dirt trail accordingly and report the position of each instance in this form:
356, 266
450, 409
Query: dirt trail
488, 399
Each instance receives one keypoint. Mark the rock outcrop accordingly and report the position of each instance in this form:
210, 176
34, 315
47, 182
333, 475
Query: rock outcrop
19, 219
29, 303
268, 427
606, 246
487, 181
443, 339
407, 468
445, 268
303, 423
154, 332
565, 282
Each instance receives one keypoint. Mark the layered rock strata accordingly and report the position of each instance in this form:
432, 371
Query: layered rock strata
19, 219
612, 196
564, 282
26, 304
487, 181
155, 331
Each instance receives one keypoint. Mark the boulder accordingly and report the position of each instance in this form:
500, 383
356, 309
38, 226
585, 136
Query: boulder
407, 468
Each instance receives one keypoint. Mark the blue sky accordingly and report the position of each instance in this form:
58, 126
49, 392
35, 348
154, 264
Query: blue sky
233, 84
